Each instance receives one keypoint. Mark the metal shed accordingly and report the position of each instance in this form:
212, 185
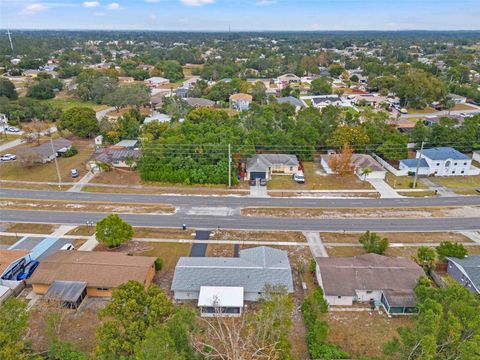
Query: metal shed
70, 293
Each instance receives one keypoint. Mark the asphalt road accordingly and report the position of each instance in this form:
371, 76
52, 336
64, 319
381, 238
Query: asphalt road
253, 223
239, 201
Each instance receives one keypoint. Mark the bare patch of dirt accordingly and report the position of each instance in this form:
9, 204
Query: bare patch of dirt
294, 236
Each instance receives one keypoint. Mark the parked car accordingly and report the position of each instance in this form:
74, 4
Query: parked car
253, 182
12, 129
28, 270
263, 182
74, 173
477, 190
299, 177
8, 157
67, 247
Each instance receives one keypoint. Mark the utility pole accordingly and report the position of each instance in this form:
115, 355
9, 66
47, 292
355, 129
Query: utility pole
418, 165
54, 153
229, 165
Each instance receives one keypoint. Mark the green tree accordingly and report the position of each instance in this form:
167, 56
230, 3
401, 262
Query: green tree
113, 231
447, 327
13, 327
355, 136
7, 89
449, 249
41, 90
395, 147
80, 121
373, 243
321, 86
172, 70
336, 70
417, 89
259, 92
131, 312
128, 95
426, 257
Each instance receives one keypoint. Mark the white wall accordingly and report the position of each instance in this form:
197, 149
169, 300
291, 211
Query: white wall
186, 295
450, 167
363, 295
339, 300
476, 156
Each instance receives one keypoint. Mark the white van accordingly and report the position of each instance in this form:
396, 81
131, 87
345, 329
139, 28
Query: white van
67, 247
299, 177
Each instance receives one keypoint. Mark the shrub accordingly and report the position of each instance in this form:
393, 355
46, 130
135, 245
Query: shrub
373, 243
449, 249
313, 266
158, 264
70, 152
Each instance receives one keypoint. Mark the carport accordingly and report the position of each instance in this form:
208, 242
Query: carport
69, 293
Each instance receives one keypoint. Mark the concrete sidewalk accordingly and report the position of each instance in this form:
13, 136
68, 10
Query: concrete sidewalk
315, 243
385, 190
82, 182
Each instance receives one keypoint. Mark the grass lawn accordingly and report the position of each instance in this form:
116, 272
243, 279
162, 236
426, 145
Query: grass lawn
460, 107
163, 233
410, 237
188, 68
47, 172
293, 236
363, 333
82, 230
427, 110
9, 240
458, 181
31, 228
315, 179
10, 137
68, 103
402, 182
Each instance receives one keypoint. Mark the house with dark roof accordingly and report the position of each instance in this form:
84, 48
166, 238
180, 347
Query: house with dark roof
263, 166
227, 282
45, 152
409, 166
200, 102
466, 271
442, 161
386, 281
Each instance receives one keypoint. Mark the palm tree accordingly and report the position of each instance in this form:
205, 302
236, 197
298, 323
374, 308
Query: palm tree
365, 172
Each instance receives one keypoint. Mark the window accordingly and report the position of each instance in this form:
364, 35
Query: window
455, 164
102, 289
339, 297
462, 172
369, 291
438, 164
453, 172
464, 163
291, 168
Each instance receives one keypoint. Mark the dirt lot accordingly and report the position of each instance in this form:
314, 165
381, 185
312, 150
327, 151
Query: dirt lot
163, 233
363, 333
219, 250
410, 237
293, 236
316, 179
348, 213
77, 327
31, 228
86, 206
82, 230
9, 240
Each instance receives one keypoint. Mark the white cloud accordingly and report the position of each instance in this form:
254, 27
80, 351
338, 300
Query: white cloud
265, 2
113, 6
32, 9
196, 2
90, 4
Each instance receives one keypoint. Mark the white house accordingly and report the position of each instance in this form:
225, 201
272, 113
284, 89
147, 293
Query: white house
360, 162
286, 79
321, 101
240, 101
446, 161
156, 81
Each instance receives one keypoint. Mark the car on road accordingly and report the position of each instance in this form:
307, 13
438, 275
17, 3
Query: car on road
74, 173
263, 182
67, 247
299, 177
8, 157
28, 270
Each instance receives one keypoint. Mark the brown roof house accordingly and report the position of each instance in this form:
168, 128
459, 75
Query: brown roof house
387, 281
96, 272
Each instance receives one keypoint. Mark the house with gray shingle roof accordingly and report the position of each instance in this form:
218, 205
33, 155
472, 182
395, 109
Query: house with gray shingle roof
466, 271
263, 166
202, 278
292, 100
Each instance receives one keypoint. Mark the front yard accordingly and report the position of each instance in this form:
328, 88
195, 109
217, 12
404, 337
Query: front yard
402, 182
47, 172
316, 179
457, 182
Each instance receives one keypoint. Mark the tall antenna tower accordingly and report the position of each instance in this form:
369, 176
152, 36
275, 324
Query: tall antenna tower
10, 39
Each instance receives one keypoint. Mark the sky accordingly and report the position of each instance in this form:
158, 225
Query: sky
241, 15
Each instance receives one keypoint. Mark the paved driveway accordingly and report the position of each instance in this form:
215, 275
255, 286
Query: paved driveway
385, 190
199, 250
